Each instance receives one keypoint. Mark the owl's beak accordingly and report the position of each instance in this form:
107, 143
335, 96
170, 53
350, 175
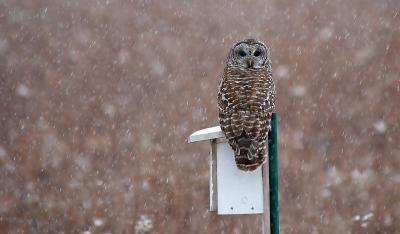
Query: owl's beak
250, 62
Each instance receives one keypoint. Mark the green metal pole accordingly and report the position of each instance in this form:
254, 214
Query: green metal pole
273, 174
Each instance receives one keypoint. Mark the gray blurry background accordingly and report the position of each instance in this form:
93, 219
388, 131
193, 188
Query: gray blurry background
97, 98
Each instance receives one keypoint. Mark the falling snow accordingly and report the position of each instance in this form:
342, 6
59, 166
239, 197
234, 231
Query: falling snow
109, 109
98, 222
23, 91
98, 97
282, 71
4, 46
363, 55
298, 90
124, 57
380, 126
143, 225
326, 33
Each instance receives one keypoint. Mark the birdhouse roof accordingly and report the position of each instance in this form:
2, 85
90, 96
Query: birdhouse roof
206, 134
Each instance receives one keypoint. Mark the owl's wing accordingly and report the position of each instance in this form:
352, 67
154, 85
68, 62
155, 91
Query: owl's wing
225, 119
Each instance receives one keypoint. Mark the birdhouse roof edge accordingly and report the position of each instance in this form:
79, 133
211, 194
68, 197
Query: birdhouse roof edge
206, 134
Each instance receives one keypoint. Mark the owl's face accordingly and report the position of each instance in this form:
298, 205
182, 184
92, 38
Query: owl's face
249, 54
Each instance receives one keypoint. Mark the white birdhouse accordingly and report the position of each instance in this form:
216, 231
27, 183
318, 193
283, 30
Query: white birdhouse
232, 191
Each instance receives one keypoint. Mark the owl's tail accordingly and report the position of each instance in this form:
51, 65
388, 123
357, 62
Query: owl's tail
249, 154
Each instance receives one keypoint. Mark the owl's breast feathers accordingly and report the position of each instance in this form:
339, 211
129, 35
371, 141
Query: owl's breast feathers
246, 100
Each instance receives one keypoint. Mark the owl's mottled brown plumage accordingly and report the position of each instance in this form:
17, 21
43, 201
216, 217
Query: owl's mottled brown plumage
246, 100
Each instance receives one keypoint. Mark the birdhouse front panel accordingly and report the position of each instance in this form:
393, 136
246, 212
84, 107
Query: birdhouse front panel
239, 192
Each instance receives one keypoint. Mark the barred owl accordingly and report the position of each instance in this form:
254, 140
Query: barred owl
246, 100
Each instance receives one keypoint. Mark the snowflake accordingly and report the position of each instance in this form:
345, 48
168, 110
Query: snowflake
143, 225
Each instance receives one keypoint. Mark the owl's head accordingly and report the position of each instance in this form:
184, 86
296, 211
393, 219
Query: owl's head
249, 53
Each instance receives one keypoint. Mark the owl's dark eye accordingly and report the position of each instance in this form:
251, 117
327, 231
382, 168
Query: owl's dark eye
242, 53
257, 53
